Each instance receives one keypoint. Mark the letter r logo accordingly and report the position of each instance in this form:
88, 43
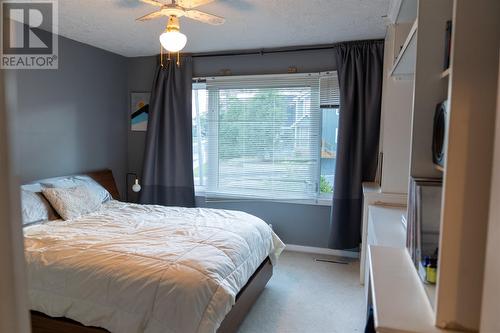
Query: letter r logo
27, 28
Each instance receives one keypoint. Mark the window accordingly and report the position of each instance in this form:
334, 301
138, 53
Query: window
265, 136
200, 158
329, 133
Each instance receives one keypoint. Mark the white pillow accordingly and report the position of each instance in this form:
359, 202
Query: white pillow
74, 181
32, 187
96, 187
35, 208
73, 202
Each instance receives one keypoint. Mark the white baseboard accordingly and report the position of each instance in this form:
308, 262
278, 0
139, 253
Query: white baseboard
320, 250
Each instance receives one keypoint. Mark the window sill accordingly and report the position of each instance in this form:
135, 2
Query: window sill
221, 199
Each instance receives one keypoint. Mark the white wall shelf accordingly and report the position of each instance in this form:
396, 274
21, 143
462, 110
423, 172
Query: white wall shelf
385, 227
404, 66
399, 300
388, 202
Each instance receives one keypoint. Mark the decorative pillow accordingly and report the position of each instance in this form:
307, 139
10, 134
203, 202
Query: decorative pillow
73, 202
35, 207
74, 181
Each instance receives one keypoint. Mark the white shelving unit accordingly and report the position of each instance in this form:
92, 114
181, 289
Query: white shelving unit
401, 301
471, 93
428, 87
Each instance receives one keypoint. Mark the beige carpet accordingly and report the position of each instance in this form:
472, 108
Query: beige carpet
305, 296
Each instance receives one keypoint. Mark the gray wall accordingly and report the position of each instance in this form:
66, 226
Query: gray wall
73, 119
295, 223
298, 224
272, 63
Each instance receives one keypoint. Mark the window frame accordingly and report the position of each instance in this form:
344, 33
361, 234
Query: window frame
321, 199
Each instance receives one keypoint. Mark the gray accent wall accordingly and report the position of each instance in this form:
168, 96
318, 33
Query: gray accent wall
73, 119
300, 224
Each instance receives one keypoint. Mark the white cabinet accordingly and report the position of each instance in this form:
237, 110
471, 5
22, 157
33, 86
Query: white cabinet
395, 118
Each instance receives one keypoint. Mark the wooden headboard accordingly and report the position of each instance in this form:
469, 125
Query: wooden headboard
106, 179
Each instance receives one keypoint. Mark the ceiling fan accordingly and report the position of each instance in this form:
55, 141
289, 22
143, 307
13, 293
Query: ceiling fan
172, 39
180, 8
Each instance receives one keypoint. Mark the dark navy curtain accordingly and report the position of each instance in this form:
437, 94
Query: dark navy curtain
359, 68
167, 177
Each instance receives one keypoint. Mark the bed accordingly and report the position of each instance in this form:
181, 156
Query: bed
143, 268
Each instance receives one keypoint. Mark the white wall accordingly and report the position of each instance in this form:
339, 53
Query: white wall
13, 305
396, 111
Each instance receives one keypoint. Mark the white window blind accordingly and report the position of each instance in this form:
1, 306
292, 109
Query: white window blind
329, 90
264, 135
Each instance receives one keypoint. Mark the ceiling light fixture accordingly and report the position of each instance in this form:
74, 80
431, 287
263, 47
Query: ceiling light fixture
172, 39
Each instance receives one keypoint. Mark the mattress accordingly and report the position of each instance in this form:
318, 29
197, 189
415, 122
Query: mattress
144, 268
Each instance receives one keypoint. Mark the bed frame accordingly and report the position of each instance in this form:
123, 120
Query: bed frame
41, 323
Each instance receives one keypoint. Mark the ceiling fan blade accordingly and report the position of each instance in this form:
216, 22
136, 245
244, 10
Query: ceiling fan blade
151, 16
192, 3
153, 2
204, 17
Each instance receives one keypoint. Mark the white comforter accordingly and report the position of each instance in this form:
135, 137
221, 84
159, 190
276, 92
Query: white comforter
140, 268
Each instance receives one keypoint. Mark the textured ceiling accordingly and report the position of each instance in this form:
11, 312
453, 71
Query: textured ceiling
250, 24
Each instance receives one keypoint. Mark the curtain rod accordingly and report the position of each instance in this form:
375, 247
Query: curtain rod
280, 50
203, 79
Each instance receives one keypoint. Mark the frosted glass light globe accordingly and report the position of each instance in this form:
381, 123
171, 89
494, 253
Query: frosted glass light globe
173, 41
136, 187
